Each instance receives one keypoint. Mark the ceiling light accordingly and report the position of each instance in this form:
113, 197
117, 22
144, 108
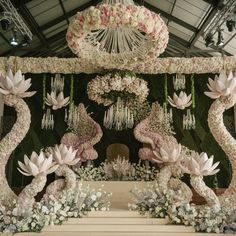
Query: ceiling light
14, 41
220, 41
209, 40
25, 41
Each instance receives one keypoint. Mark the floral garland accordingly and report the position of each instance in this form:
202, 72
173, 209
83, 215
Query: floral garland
116, 16
171, 65
105, 89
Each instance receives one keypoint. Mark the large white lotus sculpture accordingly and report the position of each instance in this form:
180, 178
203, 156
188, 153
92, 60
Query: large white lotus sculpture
222, 85
37, 164
200, 165
64, 155
15, 84
57, 101
169, 153
182, 101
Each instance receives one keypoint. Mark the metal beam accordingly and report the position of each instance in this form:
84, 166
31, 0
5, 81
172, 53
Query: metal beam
29, 19
64, 11
169, 17
210, 16
68, 15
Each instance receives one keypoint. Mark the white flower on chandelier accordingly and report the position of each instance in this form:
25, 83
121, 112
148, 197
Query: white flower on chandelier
181, 102
15, 84
37, 164
200, 164
222, 85
169, 153
64, 155
57, 101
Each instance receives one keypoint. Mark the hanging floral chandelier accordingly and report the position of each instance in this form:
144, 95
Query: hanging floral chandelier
118, 90
117, 31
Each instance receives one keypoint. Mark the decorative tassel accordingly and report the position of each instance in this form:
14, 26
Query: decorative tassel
71, 92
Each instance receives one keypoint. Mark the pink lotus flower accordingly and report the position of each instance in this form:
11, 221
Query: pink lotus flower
57, 101
37, 164
169, 153
15, 84
64, 155
181, 102
222, 85
200, 164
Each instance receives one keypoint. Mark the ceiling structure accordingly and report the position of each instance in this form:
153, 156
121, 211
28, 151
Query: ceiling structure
187, 21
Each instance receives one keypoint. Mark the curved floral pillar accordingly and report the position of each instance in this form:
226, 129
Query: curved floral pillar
26, 199
200, 187
222, 136
61, 185
11, 141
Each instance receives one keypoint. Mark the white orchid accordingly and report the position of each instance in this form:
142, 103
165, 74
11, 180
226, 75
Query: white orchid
200, 165
222, 85
64, 155
169, 153
15, 84
37, 164
182, 101
56, 101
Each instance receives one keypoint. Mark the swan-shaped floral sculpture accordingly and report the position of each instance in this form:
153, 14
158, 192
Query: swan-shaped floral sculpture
162, 148
223, 89
84, 136
13, 88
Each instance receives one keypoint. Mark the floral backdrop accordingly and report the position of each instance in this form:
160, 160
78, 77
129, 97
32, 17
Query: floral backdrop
199, 139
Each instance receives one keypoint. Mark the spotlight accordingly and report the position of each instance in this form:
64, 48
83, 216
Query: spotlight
25, 41
220, 41
209, 40
5, 24
230, 25
14, 41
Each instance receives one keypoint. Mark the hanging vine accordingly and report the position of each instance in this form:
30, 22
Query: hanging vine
193, 91
44, 91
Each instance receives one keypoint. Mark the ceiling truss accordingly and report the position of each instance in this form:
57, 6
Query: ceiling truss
49, 46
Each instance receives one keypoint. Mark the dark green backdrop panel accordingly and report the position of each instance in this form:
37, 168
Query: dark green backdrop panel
199, 139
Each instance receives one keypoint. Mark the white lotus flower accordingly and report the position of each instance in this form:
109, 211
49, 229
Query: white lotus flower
64, 155
57, 101
221, 85
200, 164
169, 153
181, 102
37, 164
15, 84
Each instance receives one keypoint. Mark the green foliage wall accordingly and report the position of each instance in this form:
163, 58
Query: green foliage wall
199, 139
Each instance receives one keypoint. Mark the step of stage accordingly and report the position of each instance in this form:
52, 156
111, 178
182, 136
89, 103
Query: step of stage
116, 223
